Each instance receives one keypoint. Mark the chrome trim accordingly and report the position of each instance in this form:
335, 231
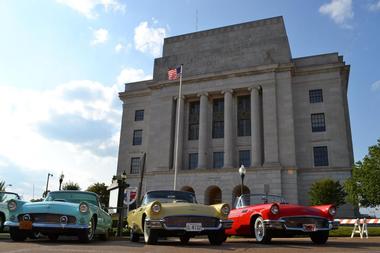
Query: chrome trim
222, 223
280, 224
49, 225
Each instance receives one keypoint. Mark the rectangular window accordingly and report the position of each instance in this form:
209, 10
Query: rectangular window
218, 118
245, 158
316, 96
135, 165
139, 115
218, 159
193, 161
321, 157
244, 116
194, 120
137, 137
318, 122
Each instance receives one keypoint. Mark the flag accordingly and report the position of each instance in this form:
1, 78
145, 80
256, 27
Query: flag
174, 73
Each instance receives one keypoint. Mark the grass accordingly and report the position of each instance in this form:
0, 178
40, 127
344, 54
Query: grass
346, 231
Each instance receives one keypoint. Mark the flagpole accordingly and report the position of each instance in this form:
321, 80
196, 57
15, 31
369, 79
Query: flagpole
177, 130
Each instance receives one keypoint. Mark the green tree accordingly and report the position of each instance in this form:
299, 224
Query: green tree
327, 191
2, 186
101, 190
364, 185
70, 186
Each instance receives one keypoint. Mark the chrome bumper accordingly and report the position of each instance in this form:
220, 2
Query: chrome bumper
280, 224
160, 224
57, 226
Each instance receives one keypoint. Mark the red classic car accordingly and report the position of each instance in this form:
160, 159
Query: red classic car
268, 216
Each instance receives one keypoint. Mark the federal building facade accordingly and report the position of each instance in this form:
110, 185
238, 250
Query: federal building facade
245, 100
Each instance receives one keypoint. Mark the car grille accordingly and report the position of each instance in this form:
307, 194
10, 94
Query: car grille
48, 218
298, 222
180, 221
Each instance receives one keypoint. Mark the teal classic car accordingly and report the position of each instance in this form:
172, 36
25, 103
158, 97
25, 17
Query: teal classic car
4, 197
61, 213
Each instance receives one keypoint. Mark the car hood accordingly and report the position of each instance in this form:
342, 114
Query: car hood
169, 209
298, 210
49, 207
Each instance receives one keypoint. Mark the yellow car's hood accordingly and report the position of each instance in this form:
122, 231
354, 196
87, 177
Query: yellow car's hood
169, 209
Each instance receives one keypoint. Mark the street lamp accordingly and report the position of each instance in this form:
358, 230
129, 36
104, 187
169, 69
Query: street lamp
60, 180
47, 183
242, 172
122, 184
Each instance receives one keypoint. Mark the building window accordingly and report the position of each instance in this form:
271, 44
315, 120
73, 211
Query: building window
137, 137
194, 120
318, 122
245, 158
244, 116
193, 161
139, 115
135, 165
321, 157
316, 96
218, 159
218, 118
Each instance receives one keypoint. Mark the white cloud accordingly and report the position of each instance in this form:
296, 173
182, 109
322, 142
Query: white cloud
376, 86
100, 36
339, 10
375, 6
128, 75
148, 39
87, 7
119, 47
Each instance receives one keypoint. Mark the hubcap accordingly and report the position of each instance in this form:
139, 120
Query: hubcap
90, 230
146, 232
259, 229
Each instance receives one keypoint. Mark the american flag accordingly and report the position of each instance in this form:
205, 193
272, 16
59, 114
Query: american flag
174, 73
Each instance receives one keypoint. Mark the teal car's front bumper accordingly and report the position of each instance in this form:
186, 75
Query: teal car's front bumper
49, 226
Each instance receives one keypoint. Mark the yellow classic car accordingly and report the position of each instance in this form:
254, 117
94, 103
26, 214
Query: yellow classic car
177, 213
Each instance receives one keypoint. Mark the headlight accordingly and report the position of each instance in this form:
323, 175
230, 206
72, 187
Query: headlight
225, 209
332, 210
274, 209
83, 207
12, 205
156, 208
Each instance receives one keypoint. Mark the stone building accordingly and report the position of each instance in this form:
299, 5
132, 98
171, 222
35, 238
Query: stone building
245, 100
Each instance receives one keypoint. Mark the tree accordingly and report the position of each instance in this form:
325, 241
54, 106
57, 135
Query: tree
70, 186
2, 186
101, 190
327, 191
364, 185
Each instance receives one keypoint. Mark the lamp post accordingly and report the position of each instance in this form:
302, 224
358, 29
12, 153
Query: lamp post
47, 184
122, 184
61, 180
242, 172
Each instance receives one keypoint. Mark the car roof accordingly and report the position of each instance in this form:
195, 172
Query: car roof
75, 191
169, 191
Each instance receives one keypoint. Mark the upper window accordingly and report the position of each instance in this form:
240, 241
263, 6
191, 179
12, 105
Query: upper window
218, 159
244, 116
194, 120
135, 165
139, 115
318, 122
137, 137
193, 160
218, 118
316, 96
321, 157
245, 158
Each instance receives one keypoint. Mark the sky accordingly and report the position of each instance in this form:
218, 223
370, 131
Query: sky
63, 62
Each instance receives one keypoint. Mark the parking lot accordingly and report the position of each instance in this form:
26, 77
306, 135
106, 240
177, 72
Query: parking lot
335, 244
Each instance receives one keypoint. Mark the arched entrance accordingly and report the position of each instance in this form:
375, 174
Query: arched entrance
187, 189
213, 195
236, 192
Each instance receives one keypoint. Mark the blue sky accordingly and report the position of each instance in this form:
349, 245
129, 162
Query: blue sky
63, 62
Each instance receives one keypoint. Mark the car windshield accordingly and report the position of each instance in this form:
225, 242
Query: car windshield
5, 196
73, 197
169, 197
254, 199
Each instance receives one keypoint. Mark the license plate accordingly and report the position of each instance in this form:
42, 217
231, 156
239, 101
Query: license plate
193, 226
309, 227
25, 225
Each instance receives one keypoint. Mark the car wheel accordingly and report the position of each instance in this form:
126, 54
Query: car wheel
2, 220
17, 235
184, 239
150, 236
134, 236
320, 237
217, 238
34, 235
53, 237
262, 234
88, 234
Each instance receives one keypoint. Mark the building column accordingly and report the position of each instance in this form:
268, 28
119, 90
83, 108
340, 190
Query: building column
228, 132
203, 137
256, 147
178, 163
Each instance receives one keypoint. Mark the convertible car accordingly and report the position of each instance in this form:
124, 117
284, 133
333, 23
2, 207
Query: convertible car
4, 197
61, 213
176, 213
268, 216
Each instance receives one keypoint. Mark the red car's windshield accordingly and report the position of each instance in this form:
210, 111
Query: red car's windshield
254, 199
